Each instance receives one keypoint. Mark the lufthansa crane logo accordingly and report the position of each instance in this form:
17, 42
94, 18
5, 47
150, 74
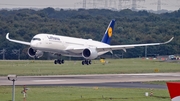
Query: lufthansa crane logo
110, 32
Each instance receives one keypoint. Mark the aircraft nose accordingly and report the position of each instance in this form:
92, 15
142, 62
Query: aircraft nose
34, 44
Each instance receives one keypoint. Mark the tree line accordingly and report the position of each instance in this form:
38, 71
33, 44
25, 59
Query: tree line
132, 27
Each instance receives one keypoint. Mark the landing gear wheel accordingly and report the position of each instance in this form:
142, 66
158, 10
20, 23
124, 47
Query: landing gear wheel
83, 62
55, 61
62, 61
58, 61
87, 62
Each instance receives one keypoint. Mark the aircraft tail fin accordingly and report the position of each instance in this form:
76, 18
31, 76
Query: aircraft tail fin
109, 32
174, 90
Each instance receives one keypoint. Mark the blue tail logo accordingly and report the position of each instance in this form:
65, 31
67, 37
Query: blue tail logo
109, 32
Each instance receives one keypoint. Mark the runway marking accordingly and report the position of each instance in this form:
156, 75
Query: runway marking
47, 80
139, 76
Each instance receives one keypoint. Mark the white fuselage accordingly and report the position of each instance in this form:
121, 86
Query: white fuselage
61, 44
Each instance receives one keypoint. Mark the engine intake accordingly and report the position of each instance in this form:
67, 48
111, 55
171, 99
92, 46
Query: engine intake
90, 53
31, 52
34, 53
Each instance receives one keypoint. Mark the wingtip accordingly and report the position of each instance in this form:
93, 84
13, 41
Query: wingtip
7, 36
169, 40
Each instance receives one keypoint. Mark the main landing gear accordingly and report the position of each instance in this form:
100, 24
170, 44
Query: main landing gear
87, 62
59, 61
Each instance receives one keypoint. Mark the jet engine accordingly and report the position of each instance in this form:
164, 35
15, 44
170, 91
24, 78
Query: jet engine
34, 53
90, 53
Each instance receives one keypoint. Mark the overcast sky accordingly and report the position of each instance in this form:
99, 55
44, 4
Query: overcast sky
148, 4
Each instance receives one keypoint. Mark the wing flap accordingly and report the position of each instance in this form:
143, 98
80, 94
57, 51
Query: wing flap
75, 49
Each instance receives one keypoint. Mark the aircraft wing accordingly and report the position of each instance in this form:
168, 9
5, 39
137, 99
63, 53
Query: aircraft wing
75, 49
124, 47
79, 49
17, 41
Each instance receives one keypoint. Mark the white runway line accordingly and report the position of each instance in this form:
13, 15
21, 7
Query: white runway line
47, 80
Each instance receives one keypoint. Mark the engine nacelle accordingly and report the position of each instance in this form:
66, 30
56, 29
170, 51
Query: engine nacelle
90, 53
39, 53
31, 52
34, 53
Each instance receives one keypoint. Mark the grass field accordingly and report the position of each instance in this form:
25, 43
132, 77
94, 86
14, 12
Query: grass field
49, 93
58, 93
116, 66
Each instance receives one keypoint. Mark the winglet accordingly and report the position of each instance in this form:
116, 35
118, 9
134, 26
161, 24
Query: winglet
16, 41
168, 40
7, 36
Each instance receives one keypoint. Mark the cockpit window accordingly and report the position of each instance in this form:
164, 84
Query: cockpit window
36, 39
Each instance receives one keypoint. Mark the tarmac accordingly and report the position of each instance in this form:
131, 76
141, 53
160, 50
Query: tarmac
103, 80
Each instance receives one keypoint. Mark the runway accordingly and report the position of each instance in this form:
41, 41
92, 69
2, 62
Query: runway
104, 80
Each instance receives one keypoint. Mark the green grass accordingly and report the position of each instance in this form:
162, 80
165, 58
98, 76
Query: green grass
58, 93
116, 66
48, 93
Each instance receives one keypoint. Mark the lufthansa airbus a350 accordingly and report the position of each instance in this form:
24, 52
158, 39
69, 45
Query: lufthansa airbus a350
76, 47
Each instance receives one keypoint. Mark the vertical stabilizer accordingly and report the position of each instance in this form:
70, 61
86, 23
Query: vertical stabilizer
174, 90
109, 32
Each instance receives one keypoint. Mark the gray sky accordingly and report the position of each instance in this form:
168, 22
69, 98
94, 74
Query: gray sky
148, 4
37, 3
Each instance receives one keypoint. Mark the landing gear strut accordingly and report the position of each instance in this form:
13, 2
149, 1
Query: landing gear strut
59, 61
87, 62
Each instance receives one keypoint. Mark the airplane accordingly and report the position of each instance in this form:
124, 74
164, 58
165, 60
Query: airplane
174, 90
75, 47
